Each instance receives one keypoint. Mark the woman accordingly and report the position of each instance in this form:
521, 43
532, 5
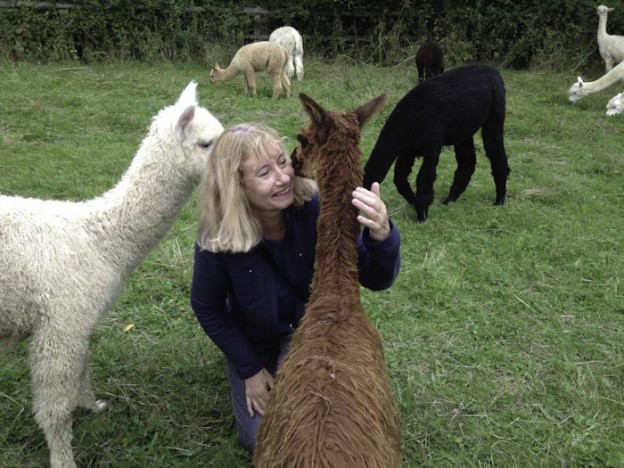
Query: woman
254, 259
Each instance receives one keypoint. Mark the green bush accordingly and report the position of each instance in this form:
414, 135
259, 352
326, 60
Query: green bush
558, 33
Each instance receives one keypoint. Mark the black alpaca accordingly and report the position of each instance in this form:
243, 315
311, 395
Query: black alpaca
429, 60
445, 110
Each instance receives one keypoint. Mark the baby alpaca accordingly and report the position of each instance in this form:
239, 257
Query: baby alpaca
615, 105
63, 263
256, 57
611, 46
581, 88
429, 60
332, 405
289, 38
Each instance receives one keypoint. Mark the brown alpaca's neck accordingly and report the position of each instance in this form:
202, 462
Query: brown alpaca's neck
336, 268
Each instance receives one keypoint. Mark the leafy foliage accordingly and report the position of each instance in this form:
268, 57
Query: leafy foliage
516, 34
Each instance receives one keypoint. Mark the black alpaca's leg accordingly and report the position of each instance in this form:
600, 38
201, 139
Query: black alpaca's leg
466, 162
494, 145
402, 170
424, 184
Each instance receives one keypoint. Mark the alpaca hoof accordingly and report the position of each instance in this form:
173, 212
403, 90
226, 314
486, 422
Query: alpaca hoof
421, 215
499, 201
448, 200
100, 405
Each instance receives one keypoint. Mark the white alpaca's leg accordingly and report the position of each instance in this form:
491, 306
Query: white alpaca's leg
608, 64
290, 67
56, 363
86, 398
299, 66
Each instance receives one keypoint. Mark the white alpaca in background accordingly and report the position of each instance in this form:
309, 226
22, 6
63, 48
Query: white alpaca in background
289, 38
611, 46
63, 263
581, 88
615, 105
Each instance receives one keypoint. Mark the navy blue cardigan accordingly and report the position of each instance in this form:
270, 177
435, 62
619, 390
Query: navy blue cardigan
246, 308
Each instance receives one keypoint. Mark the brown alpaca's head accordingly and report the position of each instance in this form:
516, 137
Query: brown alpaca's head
308, 156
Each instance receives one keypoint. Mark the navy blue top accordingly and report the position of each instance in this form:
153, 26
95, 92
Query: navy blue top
246, 308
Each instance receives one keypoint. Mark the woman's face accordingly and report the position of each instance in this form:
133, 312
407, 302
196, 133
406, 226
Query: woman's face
268, 183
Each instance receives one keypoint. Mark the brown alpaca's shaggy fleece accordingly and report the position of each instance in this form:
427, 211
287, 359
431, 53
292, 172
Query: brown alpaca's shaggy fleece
331, 405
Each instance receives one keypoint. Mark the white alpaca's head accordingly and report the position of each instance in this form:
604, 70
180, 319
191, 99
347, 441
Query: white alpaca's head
615, 105
576, 90
603, 10
191, 129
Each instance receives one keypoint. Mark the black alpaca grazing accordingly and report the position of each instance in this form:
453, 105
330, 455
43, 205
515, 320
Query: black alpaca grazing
429, 60
445, 110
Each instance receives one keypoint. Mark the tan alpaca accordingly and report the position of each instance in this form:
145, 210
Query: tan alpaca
256, 57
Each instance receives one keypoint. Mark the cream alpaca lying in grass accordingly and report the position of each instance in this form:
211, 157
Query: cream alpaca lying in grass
63, 263
615, 106
580, 89
255, 57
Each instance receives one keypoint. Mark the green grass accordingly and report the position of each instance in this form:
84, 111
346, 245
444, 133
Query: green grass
504, 331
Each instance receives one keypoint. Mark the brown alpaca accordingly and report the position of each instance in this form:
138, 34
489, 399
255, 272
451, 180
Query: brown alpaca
331, 405
255, 57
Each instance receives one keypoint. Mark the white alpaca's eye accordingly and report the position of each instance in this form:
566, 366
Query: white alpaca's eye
205, 144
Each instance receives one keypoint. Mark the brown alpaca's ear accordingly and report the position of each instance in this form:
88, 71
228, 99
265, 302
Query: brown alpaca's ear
365, 111
320, 120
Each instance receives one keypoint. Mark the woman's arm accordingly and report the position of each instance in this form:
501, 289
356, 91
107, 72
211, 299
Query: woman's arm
208, 300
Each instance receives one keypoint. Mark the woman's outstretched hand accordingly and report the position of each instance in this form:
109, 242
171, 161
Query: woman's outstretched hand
374, 214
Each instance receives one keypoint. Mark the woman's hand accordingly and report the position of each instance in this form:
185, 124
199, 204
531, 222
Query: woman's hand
374, 213
257, 390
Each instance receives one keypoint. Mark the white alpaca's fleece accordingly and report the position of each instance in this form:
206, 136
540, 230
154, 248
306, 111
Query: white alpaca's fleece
63, 263
611, 46
289, 38
615, 106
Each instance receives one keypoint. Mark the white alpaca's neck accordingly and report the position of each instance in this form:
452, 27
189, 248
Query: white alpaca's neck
615, 75
602, 26
136, 214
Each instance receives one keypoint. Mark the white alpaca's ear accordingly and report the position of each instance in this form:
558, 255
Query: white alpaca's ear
610, 9
189, 95
183, 122
579, 80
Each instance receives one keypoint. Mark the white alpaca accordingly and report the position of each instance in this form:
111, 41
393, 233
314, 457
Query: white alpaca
249, 59
582, 88
615, 105
289, 38
63, 263
611, 46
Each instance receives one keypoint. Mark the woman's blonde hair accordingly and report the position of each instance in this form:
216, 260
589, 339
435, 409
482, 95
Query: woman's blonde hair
225, 220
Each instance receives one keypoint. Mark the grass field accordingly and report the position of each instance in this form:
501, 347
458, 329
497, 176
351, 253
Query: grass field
504, 333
